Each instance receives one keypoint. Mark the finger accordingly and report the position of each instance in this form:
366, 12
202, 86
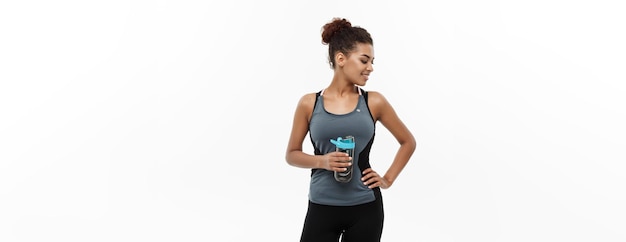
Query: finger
375, 184
342, 158
342, 163
341, 166
339, 169
340, 154
367, 177
370, 180
369, 173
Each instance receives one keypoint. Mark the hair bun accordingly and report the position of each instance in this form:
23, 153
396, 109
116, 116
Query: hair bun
331, 28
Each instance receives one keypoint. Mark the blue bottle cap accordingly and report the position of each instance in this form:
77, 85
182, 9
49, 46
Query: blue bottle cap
343, 143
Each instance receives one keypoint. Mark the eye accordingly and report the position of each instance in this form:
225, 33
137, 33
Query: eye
364, 61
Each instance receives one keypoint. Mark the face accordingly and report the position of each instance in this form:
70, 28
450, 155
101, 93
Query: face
357, 65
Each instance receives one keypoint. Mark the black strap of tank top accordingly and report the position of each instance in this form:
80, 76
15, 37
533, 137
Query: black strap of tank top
317, 96
364, 96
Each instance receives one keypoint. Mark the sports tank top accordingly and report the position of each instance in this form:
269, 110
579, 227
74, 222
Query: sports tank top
324, 126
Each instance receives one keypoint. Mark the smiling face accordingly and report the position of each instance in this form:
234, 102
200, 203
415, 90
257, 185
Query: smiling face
356, 65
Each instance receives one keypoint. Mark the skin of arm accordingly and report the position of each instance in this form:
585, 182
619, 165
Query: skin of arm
334, 161
382, 111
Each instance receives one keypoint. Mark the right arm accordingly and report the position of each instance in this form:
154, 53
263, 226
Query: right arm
334, 161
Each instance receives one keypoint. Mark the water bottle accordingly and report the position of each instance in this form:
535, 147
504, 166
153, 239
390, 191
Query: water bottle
346, 145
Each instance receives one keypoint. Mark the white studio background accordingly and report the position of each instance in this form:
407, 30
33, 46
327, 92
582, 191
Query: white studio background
168, 120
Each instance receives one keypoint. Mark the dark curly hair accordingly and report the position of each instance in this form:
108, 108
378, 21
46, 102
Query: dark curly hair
341, 36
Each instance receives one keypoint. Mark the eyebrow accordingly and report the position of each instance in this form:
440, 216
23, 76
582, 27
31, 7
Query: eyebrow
366, 56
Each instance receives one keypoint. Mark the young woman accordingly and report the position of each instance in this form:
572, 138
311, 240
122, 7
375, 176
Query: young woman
351, 210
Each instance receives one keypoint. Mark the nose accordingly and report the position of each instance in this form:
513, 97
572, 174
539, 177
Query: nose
370, 67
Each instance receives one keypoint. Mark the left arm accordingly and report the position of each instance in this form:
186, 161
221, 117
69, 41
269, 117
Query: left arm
382, 111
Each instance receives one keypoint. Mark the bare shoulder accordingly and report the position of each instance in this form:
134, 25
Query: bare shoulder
305, 105
376, 99
377, 104
307, 100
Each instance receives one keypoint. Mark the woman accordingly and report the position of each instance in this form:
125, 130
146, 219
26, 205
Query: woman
353, 209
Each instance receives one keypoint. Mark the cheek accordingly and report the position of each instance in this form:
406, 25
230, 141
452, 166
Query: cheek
357, 66
355, 70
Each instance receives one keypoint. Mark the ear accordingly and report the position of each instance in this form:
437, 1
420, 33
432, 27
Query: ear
340, 59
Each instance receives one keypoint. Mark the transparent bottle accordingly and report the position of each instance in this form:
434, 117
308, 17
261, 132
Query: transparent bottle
345, 144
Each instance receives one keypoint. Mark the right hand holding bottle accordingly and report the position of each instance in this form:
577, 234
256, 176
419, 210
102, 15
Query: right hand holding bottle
336, 161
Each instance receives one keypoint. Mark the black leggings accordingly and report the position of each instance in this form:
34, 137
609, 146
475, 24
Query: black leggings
359, 223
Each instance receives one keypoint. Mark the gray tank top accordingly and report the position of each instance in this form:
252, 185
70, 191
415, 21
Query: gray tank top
323, 127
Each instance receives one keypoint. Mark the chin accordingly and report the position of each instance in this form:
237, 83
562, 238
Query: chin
359, 82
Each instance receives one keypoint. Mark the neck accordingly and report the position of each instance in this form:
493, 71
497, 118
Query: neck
340, 89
